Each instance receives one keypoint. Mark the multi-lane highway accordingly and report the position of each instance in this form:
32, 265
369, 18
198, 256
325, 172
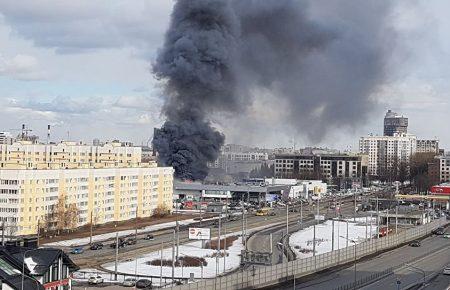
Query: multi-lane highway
432, 256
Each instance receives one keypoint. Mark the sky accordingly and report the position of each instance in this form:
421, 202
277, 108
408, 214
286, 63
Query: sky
84, 67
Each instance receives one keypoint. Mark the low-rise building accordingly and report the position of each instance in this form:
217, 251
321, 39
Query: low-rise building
32, 268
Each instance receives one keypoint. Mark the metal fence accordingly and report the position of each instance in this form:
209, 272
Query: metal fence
272, 275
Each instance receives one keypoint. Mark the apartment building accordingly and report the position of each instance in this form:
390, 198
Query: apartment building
386, 152
319, 166
103, 183
67, 155
444, 168
427, 146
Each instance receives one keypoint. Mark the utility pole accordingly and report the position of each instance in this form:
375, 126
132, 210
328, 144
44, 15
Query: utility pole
346, 245
301, 212
38, 232
90, 236
173, 256
136, 223
366, 228
218, 245
314, 241
161, 264
225, 236
243, 222
3, 233
117, 256
177, 229
287, 220
332, 235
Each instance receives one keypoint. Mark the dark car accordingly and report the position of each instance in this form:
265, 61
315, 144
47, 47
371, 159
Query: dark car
439, 231
121, 244
131, 241
414, 244
144, 284
96, 246
149, 238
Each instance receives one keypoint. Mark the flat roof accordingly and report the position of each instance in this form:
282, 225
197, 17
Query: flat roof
232, 188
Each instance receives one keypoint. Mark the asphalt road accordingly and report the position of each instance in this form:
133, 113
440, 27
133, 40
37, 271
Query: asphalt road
432, 256
91, 258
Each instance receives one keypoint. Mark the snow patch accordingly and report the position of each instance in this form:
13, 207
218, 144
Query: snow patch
302, 242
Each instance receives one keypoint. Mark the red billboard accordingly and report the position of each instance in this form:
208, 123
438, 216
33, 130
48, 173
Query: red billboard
441, 189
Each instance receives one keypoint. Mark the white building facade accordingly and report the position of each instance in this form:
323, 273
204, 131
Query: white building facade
386, 152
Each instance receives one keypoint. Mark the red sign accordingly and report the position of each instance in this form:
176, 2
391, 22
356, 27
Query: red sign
55, 284
441, 189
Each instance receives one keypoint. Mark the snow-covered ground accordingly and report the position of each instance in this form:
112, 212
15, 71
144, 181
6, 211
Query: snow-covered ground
104, 237
356, 232
192, 249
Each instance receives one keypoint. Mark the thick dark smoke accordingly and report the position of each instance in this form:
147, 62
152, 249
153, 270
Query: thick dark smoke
323, 59
197, 64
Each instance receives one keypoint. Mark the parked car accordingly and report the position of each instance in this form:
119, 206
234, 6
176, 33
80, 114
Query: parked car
446, 270
96, 246
447, 236
129, 282
149, 237
144, 284
414, 244
131, 241
95, 280
77, 251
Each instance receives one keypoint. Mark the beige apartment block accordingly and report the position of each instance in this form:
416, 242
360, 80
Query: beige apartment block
101, 183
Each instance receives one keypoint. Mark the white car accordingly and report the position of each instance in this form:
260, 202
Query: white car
95, 280
129, 282
446, 271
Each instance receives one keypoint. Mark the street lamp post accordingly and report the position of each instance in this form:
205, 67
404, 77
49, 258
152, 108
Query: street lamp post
354, 260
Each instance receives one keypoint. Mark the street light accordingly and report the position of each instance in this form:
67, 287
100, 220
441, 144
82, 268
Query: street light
354, 243
23, 265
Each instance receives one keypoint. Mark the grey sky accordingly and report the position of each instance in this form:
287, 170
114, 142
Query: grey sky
84, 66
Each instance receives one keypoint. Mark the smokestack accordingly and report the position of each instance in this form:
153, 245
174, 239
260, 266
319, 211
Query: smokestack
23, 131
48, 134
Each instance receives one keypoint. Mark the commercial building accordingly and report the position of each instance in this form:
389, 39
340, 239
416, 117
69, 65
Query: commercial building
98, 184
387, 153
395, 124
305, 189
326, 167
198, 192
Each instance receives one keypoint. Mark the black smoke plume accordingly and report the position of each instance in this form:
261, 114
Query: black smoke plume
324, 59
